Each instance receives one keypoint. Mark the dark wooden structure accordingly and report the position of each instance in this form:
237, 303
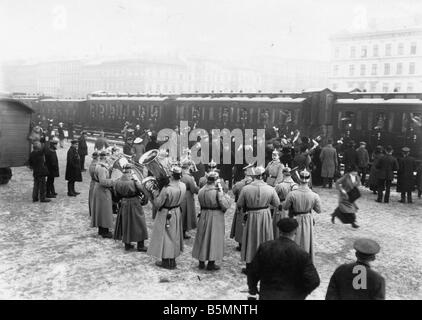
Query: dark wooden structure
15, 119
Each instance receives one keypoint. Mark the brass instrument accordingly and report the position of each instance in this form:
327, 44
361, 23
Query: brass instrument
159, 168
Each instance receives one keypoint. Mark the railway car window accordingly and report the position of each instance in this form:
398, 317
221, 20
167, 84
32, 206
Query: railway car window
211, 111
380, 121
196, 114
346, 120
390, 121
296, 117
359, 120
370, 119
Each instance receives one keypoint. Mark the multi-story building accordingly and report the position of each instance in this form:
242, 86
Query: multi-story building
377, 61
77, 78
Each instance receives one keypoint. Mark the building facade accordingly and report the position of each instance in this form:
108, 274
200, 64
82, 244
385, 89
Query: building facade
167, 75
377, 61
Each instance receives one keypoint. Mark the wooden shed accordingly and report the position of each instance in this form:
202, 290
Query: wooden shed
15, 119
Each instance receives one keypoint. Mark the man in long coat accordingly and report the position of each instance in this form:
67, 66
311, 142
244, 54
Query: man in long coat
52, 164
167, 235
236, 231
255, 200
102, 204
91, 171
73, 169
386, 166
212, 166
343, 282
363, 161
350, 156
130, 223
274, 170
284, 270
405, 176
82, 149
37, 164
283, 189
209, 240
328, 158
187, 206
60, 131
301, 202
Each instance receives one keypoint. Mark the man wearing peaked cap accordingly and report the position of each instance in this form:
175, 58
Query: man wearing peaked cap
236, 231
357, 281
91, 172
300, 203
52, 163
284, 270
212, 166
73, 169
405, 176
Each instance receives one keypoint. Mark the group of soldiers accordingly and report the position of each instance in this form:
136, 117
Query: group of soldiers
273, 216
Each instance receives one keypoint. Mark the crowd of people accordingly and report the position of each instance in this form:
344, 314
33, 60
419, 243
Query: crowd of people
273, 222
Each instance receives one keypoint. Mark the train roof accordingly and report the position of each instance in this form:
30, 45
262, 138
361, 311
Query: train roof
63, 100
153, 98
243, 99
378, 101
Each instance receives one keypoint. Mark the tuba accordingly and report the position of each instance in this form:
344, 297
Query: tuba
159, 167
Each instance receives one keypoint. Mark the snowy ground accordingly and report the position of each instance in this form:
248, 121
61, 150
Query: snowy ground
48, 250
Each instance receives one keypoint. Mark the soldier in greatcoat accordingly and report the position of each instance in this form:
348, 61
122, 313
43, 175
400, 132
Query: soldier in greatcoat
236, 231
91, 171
255, 200
274, 170
167, 236
130, 223
283, 189
102, 204
405, 176
386, 167
187, 205
73, 169
301, 202
52, 164
209, 240
82, 149
212, 166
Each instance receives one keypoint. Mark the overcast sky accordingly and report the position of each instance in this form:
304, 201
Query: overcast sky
231, 28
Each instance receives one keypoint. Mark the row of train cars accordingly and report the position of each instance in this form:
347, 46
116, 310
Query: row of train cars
377, 118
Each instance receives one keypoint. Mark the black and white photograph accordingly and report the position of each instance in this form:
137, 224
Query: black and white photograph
199, 150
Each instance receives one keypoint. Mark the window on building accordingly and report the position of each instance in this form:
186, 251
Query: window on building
400, 49
385, 87
374, 70
362, 86
352, 52
388, 49
373, 87
351, 85
362, 69
351, 70
409, 87
335, 70
399, 69
397, 87
375, 50
412, 68
413, 48
364, 52
337, 52
386, 68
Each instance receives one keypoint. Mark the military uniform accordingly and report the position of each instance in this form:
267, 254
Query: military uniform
102, 204
91, 171
236, 231
283, 189
167, 235
274, 171
73, 169
301, 202
187, 205
209, 240
130, 224
405, 176
255, 200
343, 282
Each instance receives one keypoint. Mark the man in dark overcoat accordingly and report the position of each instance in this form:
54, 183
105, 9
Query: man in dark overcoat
52, 164
82, 149
285, 271
386, 166
73, 169
357, 281
405, 176
37, 164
